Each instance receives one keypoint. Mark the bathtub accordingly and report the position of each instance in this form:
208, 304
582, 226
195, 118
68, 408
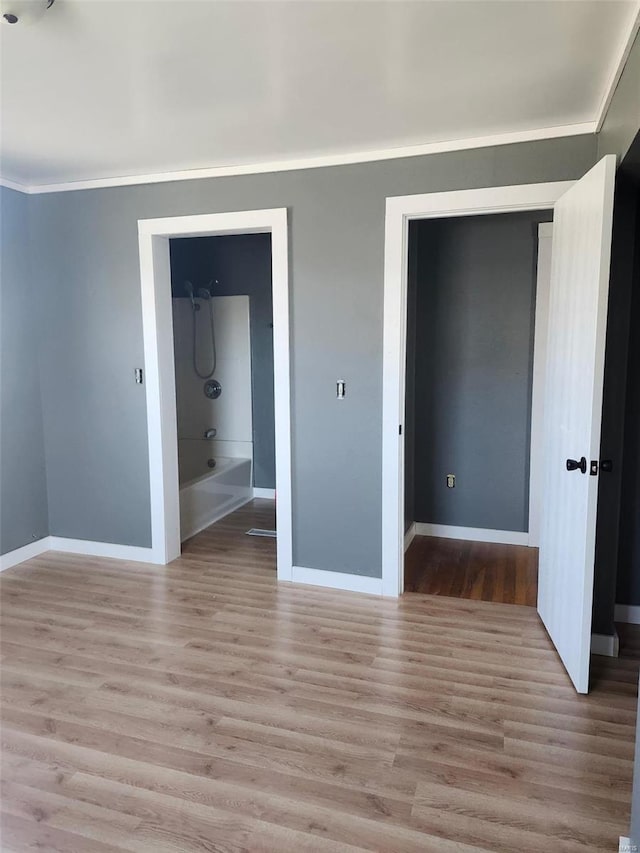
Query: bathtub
208, 497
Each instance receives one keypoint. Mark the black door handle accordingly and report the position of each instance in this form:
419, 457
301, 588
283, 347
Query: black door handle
574, 465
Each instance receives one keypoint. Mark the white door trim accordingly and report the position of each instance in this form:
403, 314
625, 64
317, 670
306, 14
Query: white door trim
543, 289
157, 322
399, 211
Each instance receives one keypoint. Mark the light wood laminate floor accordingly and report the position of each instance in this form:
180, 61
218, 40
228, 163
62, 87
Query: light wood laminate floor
481, 571
201, 707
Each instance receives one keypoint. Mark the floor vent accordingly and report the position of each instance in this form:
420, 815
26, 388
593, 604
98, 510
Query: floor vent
256, 531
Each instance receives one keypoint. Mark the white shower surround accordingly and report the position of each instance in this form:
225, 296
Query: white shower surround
206, 494
231, 414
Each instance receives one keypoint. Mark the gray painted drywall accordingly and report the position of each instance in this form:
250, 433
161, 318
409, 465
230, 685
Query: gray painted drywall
609, 520
86, 264
242, 266
476, 283
622, 121
628, 576
23, 489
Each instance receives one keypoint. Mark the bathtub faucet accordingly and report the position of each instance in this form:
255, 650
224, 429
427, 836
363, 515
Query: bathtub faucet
210, 433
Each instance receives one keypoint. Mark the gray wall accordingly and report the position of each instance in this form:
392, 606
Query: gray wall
23, 489
476, 283
86, 264
242, 265
618, 534
628, 578
610, 500
623, 117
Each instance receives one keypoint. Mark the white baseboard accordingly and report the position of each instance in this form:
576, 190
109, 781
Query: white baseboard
629, 613
132, 553
337, 580
409, 536
627, 846
268, 494
605, 644
471, 534
76, 546
27, 552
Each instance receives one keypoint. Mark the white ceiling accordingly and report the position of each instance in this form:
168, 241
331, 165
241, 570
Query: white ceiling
102, 89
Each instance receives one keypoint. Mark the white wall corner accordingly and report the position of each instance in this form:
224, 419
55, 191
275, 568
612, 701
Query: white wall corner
605, 644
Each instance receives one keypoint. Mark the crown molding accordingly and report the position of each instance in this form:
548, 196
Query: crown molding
313, 162
617, 67
14, 185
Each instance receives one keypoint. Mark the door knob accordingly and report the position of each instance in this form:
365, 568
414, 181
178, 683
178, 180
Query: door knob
575, 465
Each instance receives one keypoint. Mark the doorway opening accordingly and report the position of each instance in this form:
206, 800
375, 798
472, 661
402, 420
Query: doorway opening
401, 211
575, 344
477, 297
223, 351
230, 448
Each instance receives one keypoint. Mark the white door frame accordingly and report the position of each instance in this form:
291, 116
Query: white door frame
399, 211
543, 291
157, 323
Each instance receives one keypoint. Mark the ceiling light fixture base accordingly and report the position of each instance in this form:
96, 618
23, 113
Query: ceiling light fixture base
23, 11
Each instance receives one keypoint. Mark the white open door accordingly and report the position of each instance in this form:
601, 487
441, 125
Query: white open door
580, 260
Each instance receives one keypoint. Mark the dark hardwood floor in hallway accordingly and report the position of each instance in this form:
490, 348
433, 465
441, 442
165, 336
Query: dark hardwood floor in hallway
481, 571
201, 707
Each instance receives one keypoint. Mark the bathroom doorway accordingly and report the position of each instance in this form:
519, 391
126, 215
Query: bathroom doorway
238, 459
223, 352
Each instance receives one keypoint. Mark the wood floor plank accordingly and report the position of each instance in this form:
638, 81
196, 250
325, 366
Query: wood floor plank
203, 707
546, 819
23, 834
480, 571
